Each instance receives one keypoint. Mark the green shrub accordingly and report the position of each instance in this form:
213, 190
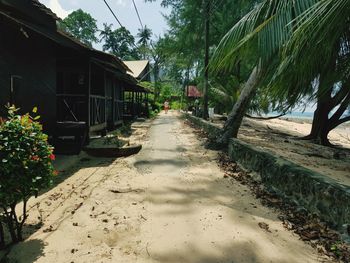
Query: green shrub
175, 105
26, 168
153, 114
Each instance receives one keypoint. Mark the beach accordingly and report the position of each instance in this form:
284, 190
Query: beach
282, 137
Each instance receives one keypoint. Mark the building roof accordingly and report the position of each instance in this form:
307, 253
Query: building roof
193, 92
45, 9
63, 39
137, 67
66, 40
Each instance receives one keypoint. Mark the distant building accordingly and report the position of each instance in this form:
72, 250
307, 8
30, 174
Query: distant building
140, 69
193, 92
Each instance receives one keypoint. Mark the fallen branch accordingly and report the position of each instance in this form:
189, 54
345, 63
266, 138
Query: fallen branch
264, 118
125, 191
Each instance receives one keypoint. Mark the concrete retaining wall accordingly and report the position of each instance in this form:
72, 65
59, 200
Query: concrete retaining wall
208, 127
315, 192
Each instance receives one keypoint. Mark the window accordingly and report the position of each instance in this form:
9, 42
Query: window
14, 88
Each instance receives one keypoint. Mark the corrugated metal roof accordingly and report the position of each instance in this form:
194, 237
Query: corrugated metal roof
137, 67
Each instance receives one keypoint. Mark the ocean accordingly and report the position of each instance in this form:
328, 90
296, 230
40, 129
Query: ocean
294, 114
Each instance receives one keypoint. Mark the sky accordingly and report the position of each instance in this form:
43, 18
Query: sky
150, 13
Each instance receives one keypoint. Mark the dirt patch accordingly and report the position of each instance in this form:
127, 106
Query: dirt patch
307, 226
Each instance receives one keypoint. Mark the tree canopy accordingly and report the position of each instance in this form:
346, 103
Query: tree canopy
282, 32
119, 42
81, 25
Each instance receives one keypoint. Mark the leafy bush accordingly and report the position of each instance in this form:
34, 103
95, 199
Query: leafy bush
153, 114
175, 105
26, 168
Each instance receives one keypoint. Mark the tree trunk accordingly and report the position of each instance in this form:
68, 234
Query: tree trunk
11, 227
235, 118
206, 5
320, 128
322, 123
156, 82
2, 236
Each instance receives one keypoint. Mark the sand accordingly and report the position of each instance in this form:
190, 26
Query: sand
169, 203
282, 137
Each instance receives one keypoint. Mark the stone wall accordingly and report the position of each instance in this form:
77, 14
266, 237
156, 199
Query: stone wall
208, 127
315, 192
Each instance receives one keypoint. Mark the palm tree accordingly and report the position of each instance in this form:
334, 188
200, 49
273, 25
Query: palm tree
320, 48
144, 36
313, 38
265, 29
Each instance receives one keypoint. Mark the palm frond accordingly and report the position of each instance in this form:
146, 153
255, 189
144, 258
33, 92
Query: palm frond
320, 46
270, 24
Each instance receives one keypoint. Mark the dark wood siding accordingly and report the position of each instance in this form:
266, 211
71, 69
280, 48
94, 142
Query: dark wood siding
31, 58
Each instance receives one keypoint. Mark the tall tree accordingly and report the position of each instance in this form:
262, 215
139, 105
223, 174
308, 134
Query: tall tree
144, 35
186, 48
81, 25
119, 42
157, 55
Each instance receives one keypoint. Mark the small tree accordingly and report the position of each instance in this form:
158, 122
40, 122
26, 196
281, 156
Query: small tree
26, 168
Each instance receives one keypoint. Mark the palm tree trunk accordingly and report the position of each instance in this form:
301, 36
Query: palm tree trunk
2, 236
319, 130
235, 118
322, 123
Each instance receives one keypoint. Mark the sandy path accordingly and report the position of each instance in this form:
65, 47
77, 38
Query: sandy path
170, 203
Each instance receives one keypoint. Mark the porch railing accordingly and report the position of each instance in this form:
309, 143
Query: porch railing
97, 110
71, 107
128, 108
118, 110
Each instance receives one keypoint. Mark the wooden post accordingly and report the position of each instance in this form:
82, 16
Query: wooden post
133, 103
88, 96
105, 93
206, 12
114, 99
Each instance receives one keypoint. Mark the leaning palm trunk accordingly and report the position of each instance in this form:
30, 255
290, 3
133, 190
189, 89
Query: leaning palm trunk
324, 120
2, 236
235, 118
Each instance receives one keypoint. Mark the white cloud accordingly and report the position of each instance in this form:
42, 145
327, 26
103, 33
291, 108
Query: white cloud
56, 7
121, 2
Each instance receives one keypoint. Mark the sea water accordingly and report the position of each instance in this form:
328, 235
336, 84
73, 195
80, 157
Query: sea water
293, 114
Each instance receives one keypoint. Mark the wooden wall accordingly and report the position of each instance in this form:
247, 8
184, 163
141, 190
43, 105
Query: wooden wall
31, 57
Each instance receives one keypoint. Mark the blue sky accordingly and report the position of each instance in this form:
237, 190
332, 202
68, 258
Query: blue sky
150, 13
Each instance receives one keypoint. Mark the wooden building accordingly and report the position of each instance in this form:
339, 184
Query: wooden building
90, 89
135, 99
136, 96
78, 90
27, 59
139, 69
